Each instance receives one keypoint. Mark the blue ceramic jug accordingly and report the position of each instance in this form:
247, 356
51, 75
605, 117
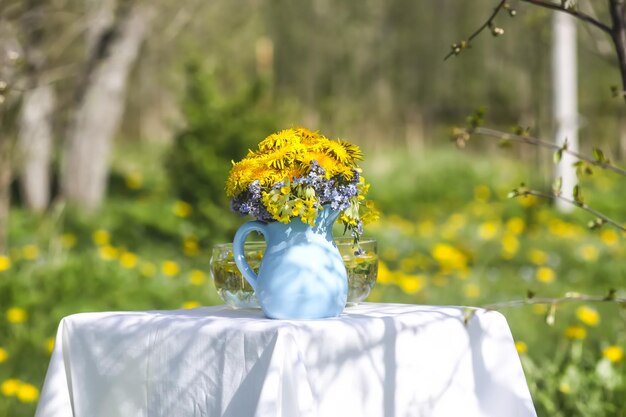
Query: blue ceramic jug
302, 274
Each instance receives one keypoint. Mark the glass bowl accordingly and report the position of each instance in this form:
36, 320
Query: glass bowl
236, 292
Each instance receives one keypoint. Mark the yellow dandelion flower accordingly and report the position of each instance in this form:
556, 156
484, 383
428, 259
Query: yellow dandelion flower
385, 275
27, 393
16, 315
50, 344
410, 284
108, 252
609, 237
521, 347
565, 388
30, 252
588, 315
482, 193
182, 209
4, 355
545, 274
170, 268
10, 387
488, 230
588, 253
68, 240
613, 353
449, 257
134, 180
510, 245
148, 269
5, 263
287, 137
336, 150
128, 260
190, 304
515, 225
101, 237
575, 332
471, 290
190, 246
538, 257
528, 201
197, 277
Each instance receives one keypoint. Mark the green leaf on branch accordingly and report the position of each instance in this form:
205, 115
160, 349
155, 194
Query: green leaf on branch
557, 156
577, 195
598, 155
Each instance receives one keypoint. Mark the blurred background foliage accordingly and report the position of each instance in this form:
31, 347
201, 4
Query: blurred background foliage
211, 79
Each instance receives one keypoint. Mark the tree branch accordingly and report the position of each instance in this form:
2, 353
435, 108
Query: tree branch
577, 203
483, 131
579, 15
569, 297
456, 49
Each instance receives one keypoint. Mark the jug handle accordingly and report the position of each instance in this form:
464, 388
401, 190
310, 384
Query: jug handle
239, 252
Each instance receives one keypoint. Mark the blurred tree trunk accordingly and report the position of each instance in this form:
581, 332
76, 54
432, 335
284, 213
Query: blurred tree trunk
35, 146
10, 72
85, 164
35, 121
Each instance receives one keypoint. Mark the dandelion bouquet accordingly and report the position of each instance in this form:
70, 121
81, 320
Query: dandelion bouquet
294, 173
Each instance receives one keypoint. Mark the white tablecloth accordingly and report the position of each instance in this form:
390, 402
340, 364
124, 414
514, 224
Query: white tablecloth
373, 360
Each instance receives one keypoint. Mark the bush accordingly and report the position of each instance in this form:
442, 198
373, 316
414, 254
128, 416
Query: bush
218, 131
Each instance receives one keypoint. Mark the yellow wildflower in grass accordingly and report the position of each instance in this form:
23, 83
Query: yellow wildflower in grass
16, 315
609, 237
528, 201
385, 276
101, 237
449, 257
410, 284
30, 252
510, 246
515, 225
588, 315
521, 347
170, 268
482, 193
148, 269
10, 387
50, 344
488, 230
575, 332
190, 246
537, 257
539, 309
565, 388
182, 209
5, 263
471, 290
613, 353
128, 260
545, 274
68, 240
4, 355
197, 277
190, 304
134, 180
108, 252
27, 393
588, 253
